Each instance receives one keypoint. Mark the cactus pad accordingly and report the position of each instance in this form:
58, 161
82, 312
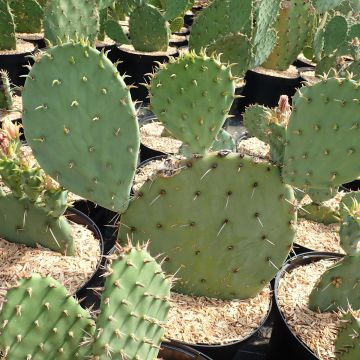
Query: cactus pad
347, 346
339, 287
28, 15
322, 6
66, 20
24, 222
6, 101
7, 27
149, 31
81, 124
319, 213
41, 321
115, 31
323, 135
348, 200
234, 49
134, 306
191, 96
214, 221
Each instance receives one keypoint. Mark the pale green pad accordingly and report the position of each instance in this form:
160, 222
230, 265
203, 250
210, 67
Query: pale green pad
322, 6
347, 346
323, 135
191, 96
81, 124
214, 221
348, 200
24, 222
149, 31
319, 213
66, 20
134, 307
41, 321
339, 287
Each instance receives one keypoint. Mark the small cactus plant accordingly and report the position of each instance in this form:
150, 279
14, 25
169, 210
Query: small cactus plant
6, 101
7, 27
134, 307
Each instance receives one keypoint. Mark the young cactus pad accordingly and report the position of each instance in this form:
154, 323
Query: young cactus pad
41, 321
6, 101
81, 124
7, 27
215, 223
322, 148
66, 20
192, 96
23, 221
347, 346
134, 307
339, 287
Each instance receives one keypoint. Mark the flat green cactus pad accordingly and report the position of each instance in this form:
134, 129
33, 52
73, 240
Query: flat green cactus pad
81, 124
24, 222
7, 27
323, 135
338, 287
134, 307
214, 221
66, 20
347, 346
41, 321
319, 213
191, 96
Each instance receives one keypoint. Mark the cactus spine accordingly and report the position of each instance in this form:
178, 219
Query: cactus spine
6, 101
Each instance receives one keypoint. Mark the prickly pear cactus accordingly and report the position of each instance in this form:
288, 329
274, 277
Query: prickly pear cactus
7, 27
348, 200
338, 287
5, 91
294, 24
323, 135
192, 96
24, 222
28, 15
66, 20
149, 31
71, 98
219, 233
134, 307
41, 321
233, 47
322, 6
347, 346
320, 195
319, 213
114, 30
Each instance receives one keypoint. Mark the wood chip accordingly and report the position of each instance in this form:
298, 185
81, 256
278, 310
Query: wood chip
150, 135
254, 147
212, 321
18, 261
15, 113
317, 331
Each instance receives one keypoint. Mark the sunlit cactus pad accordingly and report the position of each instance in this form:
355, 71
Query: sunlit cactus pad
192, 96
224, 223
323, 148
41, 321
347, 346
81, 123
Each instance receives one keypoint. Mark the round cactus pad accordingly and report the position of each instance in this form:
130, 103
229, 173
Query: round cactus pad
224, 223
323, 135
81, 124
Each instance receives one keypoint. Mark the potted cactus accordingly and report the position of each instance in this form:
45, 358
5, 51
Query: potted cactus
330, 299
13, 51
150, 30
134, 307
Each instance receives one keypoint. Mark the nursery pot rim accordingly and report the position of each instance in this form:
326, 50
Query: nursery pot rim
78, 215
301, 259
195, 354
220, 346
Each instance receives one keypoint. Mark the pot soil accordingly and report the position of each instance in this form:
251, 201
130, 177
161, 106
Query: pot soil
217, 328
178, 41
77, 273
137, 64
299, 333
308, 75
37, 39
13, 61
302, 62
265, 86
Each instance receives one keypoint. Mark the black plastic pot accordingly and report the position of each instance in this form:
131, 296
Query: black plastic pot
39, 42
136, 65
179, 42
266, 90
104, 219
84, 292
14, 65
284, 343
227, 351
352, 186
299, 249
171, 351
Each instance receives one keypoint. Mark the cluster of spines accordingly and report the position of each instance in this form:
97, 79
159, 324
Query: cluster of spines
6, 100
